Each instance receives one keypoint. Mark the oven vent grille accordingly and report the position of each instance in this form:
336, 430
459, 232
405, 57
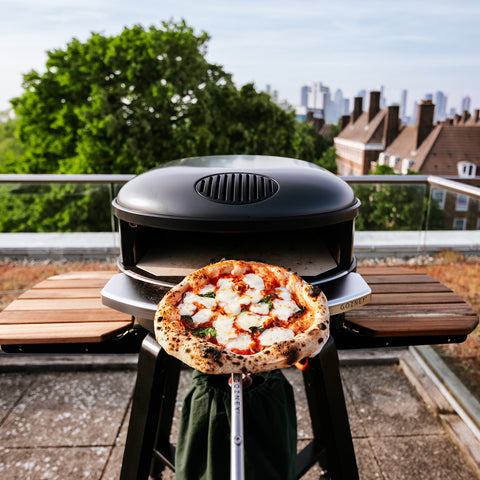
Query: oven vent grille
236, 188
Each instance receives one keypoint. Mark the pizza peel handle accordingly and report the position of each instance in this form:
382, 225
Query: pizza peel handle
237, 471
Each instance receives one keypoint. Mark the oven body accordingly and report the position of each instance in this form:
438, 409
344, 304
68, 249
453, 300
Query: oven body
189, 213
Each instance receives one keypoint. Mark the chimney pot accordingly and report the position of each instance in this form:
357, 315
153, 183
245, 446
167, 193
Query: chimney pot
344, 121
357, 108
374, 106
465, 116
392, 124
424, 126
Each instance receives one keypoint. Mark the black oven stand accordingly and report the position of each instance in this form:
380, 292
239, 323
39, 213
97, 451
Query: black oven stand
148, 449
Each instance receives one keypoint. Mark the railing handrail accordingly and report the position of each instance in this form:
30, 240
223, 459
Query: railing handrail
412, 179
64, 178
454, 184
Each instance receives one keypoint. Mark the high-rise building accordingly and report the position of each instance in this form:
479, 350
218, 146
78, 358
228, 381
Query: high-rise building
403, 105
383, 100
363, 95
304, 95
440, 106
315, 97
466, 101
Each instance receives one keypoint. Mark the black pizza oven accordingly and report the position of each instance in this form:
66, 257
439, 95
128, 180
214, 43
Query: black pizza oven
189, 213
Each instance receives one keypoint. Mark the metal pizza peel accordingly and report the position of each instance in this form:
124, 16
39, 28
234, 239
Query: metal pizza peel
237, 461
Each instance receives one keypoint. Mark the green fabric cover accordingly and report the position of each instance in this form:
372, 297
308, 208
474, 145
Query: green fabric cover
270, 429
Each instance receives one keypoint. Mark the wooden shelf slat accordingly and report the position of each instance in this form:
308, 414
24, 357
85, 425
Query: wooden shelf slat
66, 308
409, 303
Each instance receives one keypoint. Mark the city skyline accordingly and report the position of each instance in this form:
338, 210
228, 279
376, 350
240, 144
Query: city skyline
421, 46
333, 103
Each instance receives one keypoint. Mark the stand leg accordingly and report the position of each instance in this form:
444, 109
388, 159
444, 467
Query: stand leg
328, 414
154, 387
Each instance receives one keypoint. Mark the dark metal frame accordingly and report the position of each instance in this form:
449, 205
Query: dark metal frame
148, 449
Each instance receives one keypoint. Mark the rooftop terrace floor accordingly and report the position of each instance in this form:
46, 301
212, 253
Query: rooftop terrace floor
66, 417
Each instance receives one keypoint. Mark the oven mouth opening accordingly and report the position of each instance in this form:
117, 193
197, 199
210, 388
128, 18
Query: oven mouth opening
165, 257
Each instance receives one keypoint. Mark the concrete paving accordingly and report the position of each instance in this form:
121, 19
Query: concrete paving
63, 419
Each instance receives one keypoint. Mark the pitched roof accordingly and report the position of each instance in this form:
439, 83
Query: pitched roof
443, 148
364, 132
404, 142
453, 144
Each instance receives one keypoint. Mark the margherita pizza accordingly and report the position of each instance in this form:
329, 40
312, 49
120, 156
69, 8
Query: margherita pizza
242, 317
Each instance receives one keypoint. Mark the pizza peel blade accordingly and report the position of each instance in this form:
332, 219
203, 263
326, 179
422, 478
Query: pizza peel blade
237, 464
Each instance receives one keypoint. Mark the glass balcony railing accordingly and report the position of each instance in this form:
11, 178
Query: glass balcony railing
423, 206
58, 203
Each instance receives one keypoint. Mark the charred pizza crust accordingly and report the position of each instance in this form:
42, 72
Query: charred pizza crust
210, 358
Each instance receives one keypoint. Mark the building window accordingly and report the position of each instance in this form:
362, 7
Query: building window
462, 203
383, 158
466, 169
459, 223
393, 160
478, 223
406, 165
439, 197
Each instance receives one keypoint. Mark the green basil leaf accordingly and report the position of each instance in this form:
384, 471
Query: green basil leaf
256, 329
268, 301
204, 332
208, 294
300, 312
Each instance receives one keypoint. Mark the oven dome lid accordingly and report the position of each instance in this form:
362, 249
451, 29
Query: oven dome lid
231, 191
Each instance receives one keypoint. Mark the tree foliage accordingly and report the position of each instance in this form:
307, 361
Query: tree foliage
11, 149
393, 206
127, 103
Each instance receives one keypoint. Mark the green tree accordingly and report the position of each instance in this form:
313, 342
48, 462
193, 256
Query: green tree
127, 103
393, 206
328, 159
11, 149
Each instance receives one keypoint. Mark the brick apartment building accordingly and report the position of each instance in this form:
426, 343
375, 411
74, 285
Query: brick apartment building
365, 135
449, 148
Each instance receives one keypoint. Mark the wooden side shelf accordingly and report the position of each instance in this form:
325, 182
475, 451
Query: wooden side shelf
407, 303
65, 308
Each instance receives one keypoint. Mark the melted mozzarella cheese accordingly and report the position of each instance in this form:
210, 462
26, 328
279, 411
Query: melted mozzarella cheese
260, 308
224, 328
202, 316
187, 309
247, 320
252, 296
241, 342
190, 302
254, 281
274, 335
282, 292
206, 289
283, 309
227, 297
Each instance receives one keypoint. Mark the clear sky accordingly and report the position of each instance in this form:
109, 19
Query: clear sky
420, 45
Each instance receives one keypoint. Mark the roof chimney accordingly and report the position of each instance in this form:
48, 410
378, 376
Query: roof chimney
344, 121
476, 116
424, 121
392, 123
465, 116
374, 105
357, 108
